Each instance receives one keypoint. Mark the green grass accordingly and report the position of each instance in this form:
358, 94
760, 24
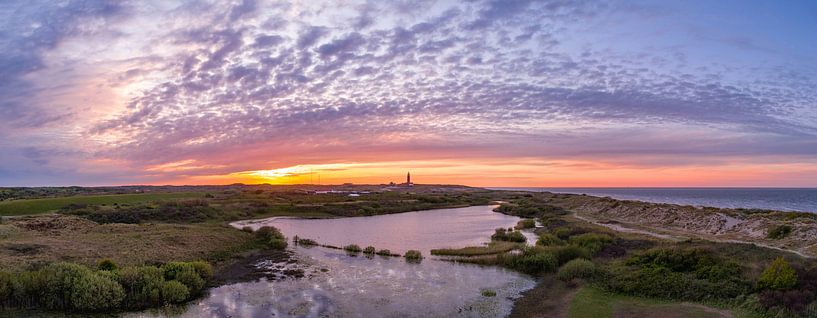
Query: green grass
594, 303
40, 206
492, 248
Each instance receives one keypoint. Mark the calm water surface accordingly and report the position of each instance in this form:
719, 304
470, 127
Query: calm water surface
784, 199
422, 230
340, 285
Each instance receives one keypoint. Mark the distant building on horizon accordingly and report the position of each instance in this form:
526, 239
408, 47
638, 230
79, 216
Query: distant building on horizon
408, 180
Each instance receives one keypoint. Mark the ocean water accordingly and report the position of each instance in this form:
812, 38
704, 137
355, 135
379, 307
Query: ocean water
784, 199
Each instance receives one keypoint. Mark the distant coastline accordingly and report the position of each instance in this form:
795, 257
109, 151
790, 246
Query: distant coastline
782, 199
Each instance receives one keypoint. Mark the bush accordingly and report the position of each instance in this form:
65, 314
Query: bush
413, 255
488, 293
568, 253
94, 292
526, 224
352, 248
194, 283
142, 286
778, 276
247, 229
510, 236
106, 265
593, 242
369, 250
547, 239
779, 232
384, 252
531, 261
562, 233
174, 292
203, 269
577, 268
267, 233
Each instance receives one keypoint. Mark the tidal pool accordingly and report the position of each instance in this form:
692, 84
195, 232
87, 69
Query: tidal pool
336, 284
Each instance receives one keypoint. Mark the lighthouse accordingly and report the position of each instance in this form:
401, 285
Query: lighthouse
408, 180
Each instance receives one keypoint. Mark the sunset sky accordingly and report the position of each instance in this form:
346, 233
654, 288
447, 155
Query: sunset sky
483, 93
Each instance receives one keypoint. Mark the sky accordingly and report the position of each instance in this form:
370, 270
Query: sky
479, 92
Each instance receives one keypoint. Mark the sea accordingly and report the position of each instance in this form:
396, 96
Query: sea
784, 199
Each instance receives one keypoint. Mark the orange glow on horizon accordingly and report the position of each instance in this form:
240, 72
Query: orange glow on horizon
519, 173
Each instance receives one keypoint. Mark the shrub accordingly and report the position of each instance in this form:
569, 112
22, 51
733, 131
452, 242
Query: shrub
778, 276
568, 253
369, 250
488, 293
577, 268
526, 224
352, 248
593, 242
247, 229
106, 265
306, 242
6, 288
142, 286
779, 232
267, 233
531, 261
562, 232
413, 255
203, 269
93, 292
547, 239
510, 236
277, 244
174, 292
384, 252
192, 280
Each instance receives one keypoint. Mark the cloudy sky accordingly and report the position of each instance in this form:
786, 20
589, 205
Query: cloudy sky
486, 93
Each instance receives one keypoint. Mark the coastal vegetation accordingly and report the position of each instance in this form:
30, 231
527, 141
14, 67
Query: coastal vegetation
577, 250
413, 255
76, 288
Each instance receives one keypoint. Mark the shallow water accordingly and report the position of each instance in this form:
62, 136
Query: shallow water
340, 285
422, 230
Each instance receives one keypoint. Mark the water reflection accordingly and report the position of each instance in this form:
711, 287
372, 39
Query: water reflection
422, 230
336, 284
339, 285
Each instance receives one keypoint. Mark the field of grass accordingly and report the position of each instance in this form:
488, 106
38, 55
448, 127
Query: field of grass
35, 240
40, 206
594, 303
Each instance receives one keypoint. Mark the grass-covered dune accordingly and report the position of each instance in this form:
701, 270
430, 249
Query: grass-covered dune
44, 205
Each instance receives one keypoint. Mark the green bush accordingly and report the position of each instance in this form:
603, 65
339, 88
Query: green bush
174, 292
6, 288
142, 286
568, 253
779, 232
352, 248
778, 276
369, 250
577, 268
526, 224
510, 236
106, 265
204, 269
531, 261
562, 232
413, 255
192, 280
593, 242
94, 292
267, 233
547, 239
488, 293
384, 252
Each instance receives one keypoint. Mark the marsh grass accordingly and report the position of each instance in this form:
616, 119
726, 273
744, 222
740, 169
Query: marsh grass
496, 247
